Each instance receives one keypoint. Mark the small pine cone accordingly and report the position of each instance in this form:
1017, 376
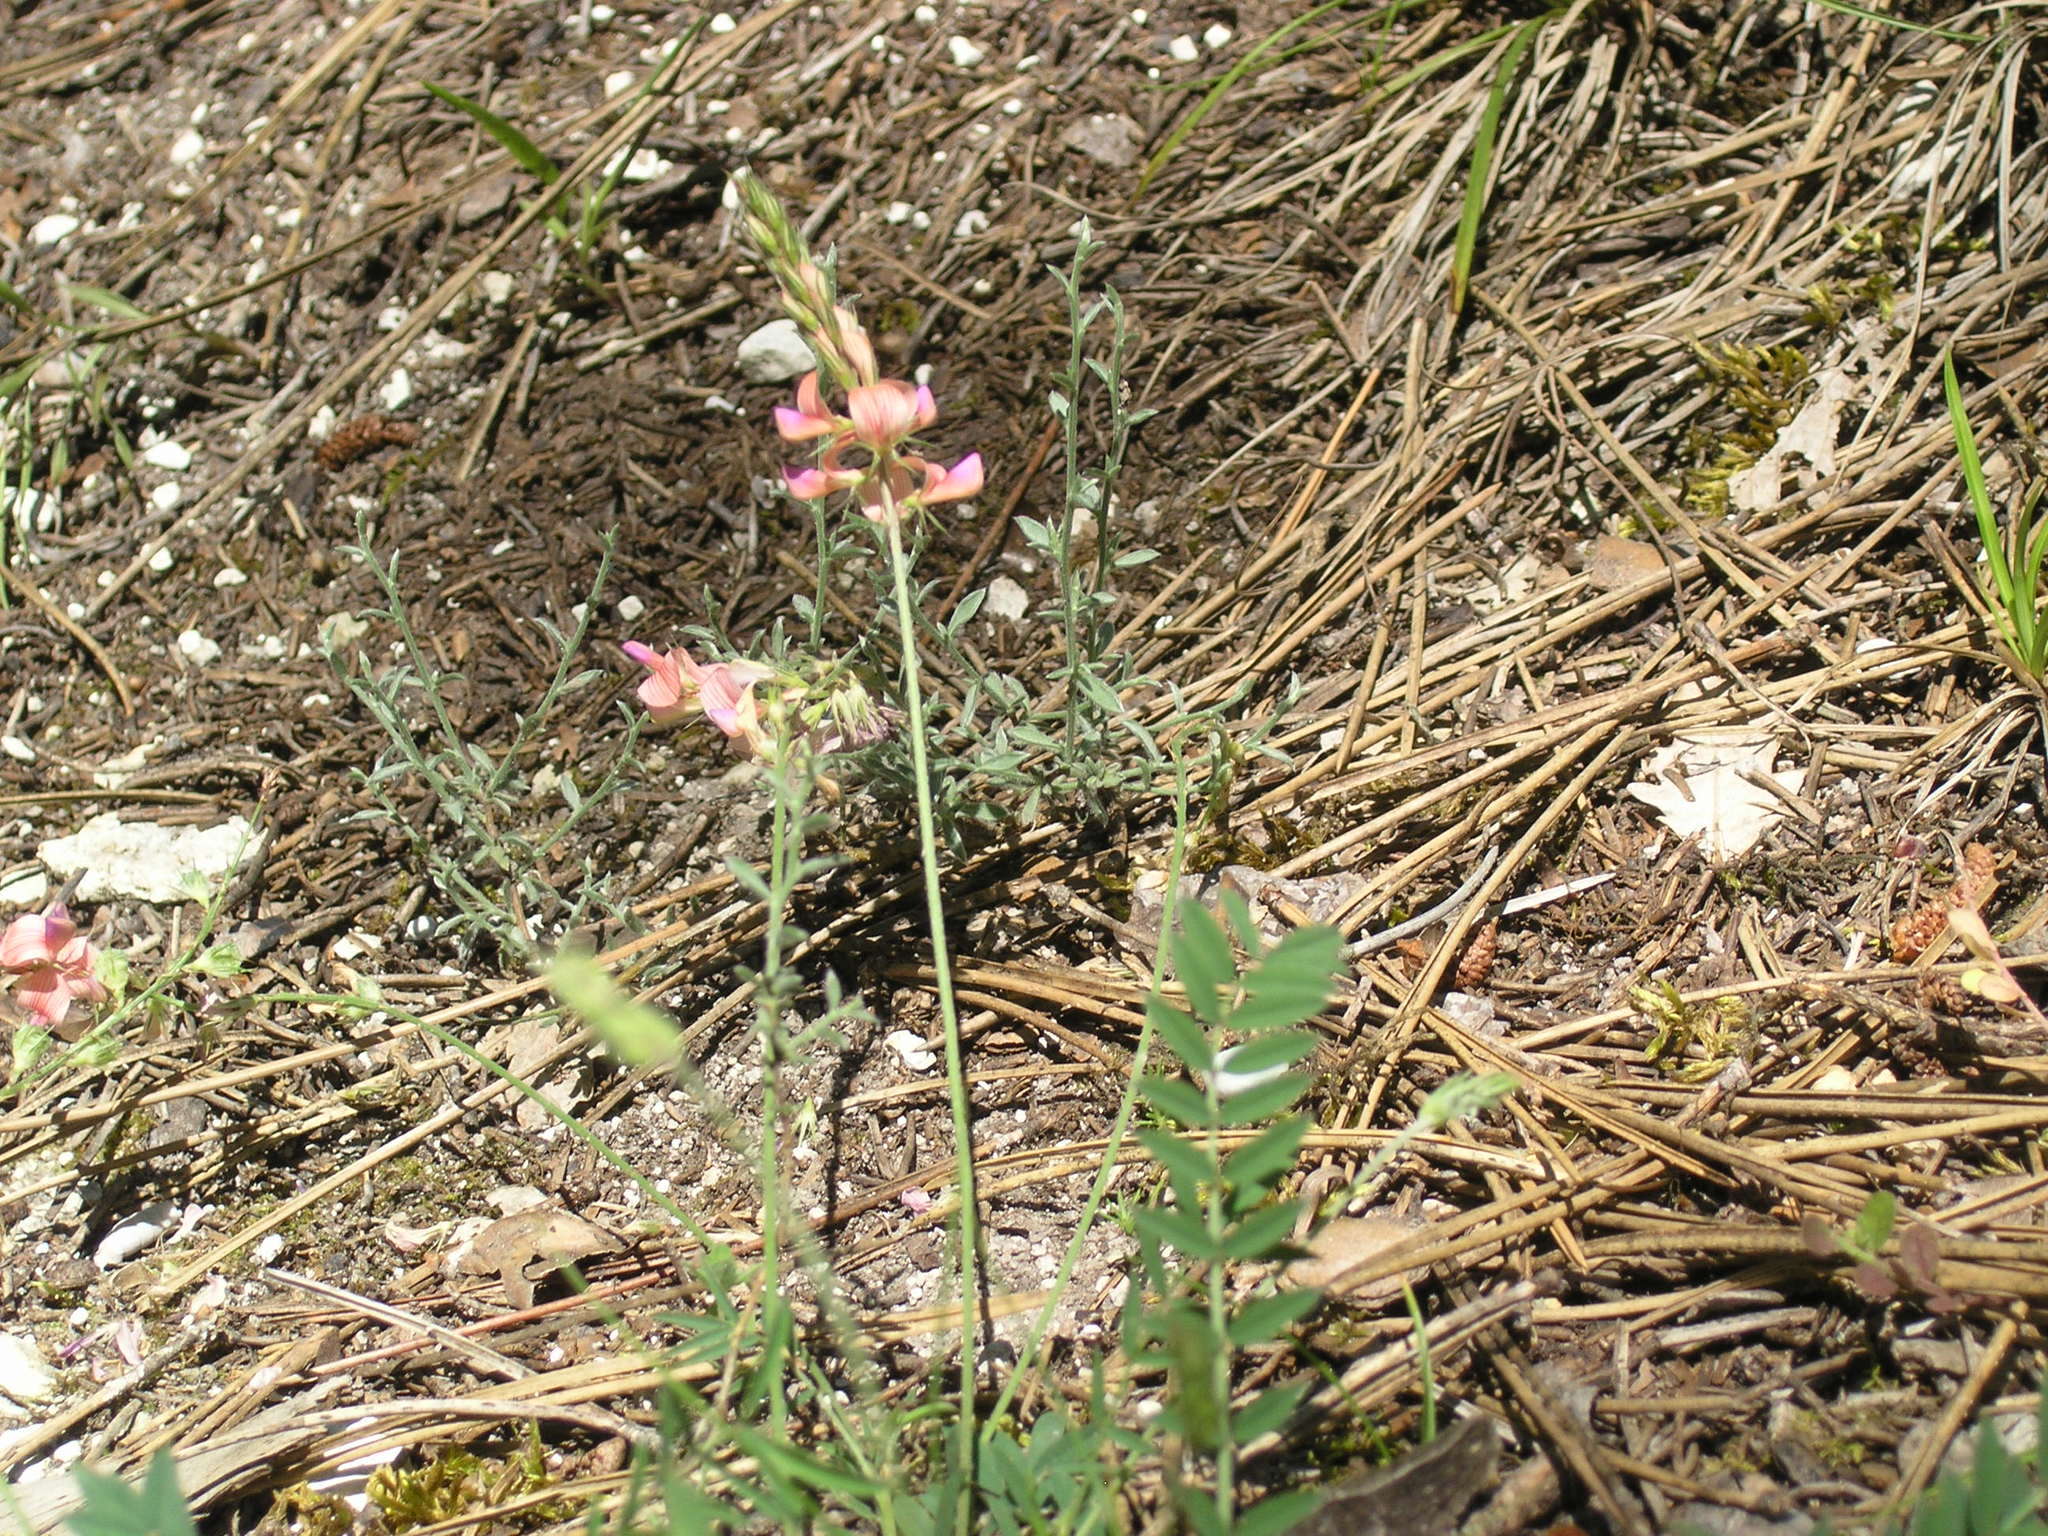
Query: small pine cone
1979, 876
1476, 964
1912, 933
353, 440
1940, 994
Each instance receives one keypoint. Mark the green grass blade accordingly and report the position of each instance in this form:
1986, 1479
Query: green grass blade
1482, 160
11, 297
107, 299
516, 144
2012, 610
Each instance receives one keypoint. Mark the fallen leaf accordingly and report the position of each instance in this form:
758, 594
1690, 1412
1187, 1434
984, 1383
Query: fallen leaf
1700, 787
525, 1249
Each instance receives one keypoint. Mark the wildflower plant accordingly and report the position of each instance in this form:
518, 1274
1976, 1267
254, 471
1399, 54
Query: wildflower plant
485, 846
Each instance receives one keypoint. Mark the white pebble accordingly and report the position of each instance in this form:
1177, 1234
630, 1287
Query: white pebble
1140, 17
51, 228
17, 749
168, 454
774, 353
197, 648
391, 317
161, 560
1217, 36
497, 287
166, 497
1013, 108
897, 213
1183, 49
397, 390
920, 220
966, 52
600, 14
618, 83
630, 608
971, 223
230, 576
186, 147
722, 23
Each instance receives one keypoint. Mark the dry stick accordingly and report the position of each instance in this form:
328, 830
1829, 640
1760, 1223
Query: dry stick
628, 124
18, 580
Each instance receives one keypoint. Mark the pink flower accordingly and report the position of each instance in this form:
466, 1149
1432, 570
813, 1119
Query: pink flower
863, 451
54, 961
676, 686
665, 691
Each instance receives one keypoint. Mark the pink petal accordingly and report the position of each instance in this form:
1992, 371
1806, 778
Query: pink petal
808, 484
962, 480
34, 938
43, 993
810, 418
927, 408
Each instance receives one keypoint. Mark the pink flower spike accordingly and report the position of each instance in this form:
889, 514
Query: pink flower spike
665, 691
956, 484
810, 418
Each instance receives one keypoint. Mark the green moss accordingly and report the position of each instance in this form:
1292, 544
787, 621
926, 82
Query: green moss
1758, 390
458, 1483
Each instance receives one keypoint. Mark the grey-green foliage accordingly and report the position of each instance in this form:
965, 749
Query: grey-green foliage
491, 834
113, 1508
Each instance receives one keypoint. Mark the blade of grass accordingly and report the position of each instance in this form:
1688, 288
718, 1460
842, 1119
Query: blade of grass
516, 144
2013, 610
1844, 8
1482, 160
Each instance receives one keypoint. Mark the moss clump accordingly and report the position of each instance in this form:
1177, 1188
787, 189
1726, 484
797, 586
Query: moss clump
1758, 391
457, 1483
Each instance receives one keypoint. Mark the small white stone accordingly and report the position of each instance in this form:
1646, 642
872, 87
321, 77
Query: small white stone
132, 1234
1013, 108
1183, 50
166, 497
168, 454
1217, 36
34, 510
898, 213
397, 390
920, 220
722, 23
966, 52
618, 83
267, 1251
198, 649
600, 14
289, 218
645, 165
970, 224
52, 228
716, 108
230, 576
925, 15
775, 354
1006, 600
630, 608
322, 426
1140, 17
391, 317
1028, 63
17, 749
911, 1047
186, 147
24, 1375
497, 287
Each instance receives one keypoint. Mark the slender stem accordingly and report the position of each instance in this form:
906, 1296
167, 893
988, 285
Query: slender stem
768, 1028
942, 972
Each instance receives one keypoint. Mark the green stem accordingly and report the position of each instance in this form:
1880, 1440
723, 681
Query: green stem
767, 1026
942, 974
